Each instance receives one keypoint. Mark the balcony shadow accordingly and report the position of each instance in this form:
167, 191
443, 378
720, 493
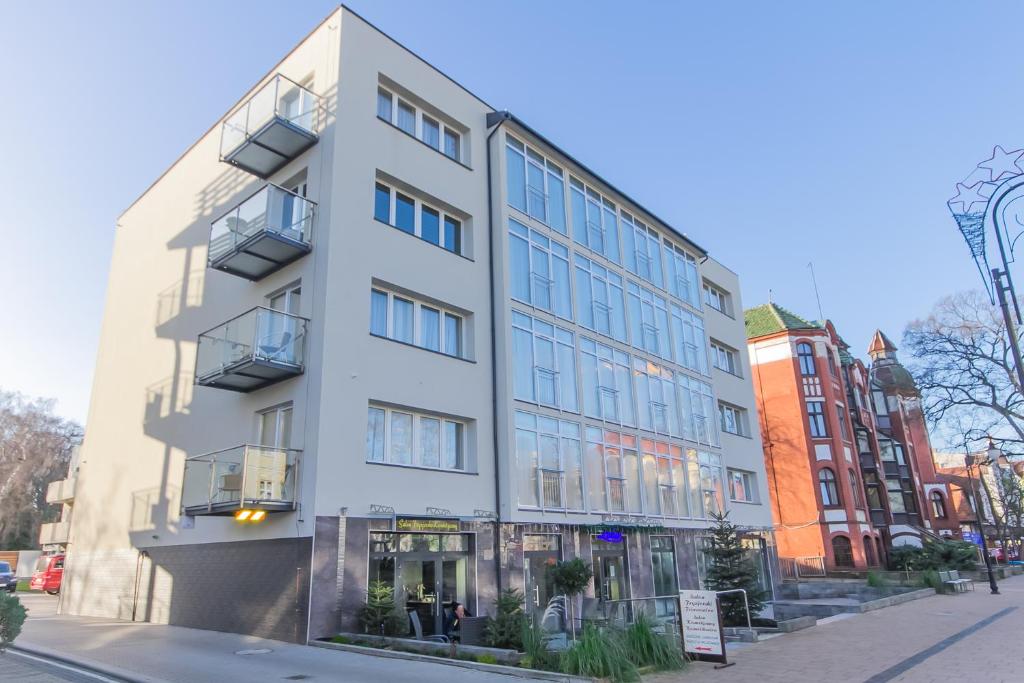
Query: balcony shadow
257, 587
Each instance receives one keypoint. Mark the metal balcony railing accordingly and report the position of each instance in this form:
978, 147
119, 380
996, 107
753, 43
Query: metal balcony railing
275, 125
254, 350
61, 491
264, 233
243, 477
54, 533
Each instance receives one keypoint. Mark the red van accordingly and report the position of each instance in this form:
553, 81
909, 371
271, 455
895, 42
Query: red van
48, 573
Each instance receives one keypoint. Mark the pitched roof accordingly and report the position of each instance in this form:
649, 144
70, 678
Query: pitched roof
880, 343
771, 318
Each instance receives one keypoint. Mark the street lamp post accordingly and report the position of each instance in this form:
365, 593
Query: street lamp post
970, 460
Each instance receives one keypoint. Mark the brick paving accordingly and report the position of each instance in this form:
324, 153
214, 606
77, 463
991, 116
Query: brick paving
862, 647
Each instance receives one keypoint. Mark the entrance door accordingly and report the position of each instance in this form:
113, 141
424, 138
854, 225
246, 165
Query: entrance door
546, 608
611, 581
430, 587
418, 583
612, 578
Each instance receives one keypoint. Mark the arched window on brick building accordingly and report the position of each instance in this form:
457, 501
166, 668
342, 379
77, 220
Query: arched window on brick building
842, 551
938, 505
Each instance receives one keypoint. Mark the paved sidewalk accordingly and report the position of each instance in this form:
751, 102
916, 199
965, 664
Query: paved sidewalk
972, 636
164, 654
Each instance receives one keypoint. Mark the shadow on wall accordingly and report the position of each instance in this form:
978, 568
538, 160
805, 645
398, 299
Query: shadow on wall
255, 587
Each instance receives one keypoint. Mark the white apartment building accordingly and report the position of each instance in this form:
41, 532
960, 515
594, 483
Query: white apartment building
370, 328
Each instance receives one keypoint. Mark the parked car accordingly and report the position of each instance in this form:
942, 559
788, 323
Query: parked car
48, 574
8, 581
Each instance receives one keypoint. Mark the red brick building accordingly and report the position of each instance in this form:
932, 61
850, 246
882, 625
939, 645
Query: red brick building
846, 447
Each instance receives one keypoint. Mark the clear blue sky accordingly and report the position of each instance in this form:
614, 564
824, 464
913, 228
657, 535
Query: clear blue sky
774, 134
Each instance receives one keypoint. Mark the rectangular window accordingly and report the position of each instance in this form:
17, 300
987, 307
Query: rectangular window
452, 144
742, 486
399, 437
539, 270
406, 118
378, 313
642, 249
594, 221
682, 275
712, 483
430, 225
417, 218
275, 427
690, 344
430, 328
405, 213
816, 420
649, 322
375, 435
844, 431
607, 383
724, 358
453, 335
600, 302
382, 203
431, 132
535, 185
613, 472
384, 105
733, 419
717, 299
663, 481
549, 462
697, 406
413, 322
657, 410
402, 320
543, 363
663, 564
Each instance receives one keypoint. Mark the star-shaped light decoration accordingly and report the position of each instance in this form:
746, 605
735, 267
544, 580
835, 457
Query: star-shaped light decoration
1004, 164
971, 203
969, 196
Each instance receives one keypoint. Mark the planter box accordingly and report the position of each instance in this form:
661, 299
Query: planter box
515, 671
510, 657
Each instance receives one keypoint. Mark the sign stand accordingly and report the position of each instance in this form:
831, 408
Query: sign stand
703, 638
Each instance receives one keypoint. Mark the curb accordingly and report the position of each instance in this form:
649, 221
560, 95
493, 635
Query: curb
87, 665
530, 674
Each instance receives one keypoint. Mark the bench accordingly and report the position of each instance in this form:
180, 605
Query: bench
952, 579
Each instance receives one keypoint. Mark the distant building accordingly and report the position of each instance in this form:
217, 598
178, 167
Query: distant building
846, 447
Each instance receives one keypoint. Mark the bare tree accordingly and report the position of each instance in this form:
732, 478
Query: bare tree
35, 447
963, 366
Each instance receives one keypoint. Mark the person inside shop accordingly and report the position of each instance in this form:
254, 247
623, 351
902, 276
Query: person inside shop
453, 616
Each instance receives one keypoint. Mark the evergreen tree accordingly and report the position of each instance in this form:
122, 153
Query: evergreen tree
729, 568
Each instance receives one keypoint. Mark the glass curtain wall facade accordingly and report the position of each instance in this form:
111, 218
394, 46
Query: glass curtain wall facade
607, 330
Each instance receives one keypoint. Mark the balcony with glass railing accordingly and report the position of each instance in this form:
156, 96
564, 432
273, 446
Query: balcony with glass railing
61, 491
263, 234
271, 128
244, 477
54, 533
254, 350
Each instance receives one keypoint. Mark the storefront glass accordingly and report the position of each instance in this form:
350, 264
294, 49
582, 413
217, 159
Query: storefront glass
429, 572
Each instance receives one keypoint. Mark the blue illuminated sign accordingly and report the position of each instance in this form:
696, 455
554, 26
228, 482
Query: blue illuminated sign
610, 537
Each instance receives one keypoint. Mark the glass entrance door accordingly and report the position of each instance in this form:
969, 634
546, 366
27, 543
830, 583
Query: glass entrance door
546, 608
611, 581
418, 582
612, 576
